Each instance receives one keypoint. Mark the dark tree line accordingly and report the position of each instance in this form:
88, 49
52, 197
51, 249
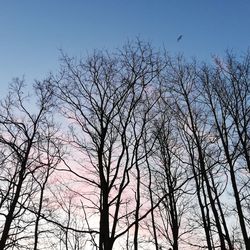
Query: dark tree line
128, 150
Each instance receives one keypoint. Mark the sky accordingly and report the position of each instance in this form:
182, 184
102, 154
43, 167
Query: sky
32, 32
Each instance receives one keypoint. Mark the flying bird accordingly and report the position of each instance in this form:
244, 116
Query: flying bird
179, 38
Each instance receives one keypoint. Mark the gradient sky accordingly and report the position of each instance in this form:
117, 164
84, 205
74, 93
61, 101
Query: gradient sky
33, 31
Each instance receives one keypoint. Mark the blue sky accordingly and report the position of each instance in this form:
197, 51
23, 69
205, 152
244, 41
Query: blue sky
33, 31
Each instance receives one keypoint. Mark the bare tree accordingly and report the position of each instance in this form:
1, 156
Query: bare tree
194, 120
169, 174
152, 152
226, 89
23, 132
104, 99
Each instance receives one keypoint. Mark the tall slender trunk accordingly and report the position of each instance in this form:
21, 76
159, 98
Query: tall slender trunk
9, 217
227, 236
204, 173
36, 233
105, 241
223, 136
206, 225
138, 198
152, 204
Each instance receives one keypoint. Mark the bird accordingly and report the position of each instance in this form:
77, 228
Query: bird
179, 38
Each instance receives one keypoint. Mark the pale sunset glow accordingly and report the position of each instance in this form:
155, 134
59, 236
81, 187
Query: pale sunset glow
124, 125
